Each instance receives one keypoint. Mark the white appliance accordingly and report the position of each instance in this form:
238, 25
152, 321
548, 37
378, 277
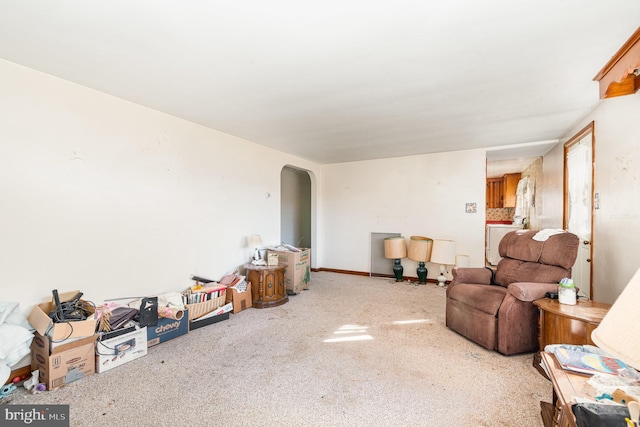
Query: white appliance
495, 233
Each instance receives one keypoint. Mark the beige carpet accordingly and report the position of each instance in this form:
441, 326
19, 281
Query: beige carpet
351, 351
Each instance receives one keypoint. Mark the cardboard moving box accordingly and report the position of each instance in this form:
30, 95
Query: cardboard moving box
116, 351
40, 320
298, 272
64, 363
167, 329
240, 300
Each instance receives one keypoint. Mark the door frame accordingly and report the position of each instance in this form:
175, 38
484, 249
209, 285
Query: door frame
591, 127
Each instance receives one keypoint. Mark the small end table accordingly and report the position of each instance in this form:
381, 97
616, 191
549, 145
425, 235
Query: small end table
568, 324
267, 285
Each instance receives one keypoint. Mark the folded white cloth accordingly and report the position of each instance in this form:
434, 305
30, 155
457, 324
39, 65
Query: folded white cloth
15, 337
543, 235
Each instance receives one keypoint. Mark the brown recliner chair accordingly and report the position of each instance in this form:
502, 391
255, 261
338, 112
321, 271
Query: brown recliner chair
495, 309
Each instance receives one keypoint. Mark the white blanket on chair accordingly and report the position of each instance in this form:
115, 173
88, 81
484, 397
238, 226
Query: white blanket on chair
543, 235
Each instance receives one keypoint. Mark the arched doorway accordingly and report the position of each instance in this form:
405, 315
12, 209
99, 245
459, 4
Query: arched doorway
295, 207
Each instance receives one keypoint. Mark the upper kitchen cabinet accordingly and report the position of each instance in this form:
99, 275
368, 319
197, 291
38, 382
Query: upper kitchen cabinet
509, 188
494, 192
501, 192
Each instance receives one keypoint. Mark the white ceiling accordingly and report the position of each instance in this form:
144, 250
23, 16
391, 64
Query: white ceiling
335, 81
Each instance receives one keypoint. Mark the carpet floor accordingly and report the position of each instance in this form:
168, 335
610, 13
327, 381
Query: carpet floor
350, 351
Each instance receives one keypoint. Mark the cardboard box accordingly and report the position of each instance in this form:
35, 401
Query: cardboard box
116, 351
298, 272
240, 300
40, 320
167, 329
272, 258
64, 363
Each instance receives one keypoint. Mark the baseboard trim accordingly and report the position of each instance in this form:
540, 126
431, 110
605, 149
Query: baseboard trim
364, 273
334, 270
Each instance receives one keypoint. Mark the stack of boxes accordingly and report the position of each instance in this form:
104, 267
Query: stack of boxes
69, 348
298, 271
62, 352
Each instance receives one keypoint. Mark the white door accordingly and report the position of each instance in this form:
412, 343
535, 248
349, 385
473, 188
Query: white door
578, 203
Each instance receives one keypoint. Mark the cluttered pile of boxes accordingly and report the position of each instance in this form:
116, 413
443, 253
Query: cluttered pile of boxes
75, 337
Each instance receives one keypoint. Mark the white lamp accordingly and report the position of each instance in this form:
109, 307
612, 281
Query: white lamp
618, 334
255, 242
444, 253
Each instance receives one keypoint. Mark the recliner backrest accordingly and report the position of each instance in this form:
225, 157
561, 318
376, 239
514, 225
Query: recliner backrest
528, 260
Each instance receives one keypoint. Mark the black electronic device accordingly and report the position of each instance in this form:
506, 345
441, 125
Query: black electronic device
69, 310
113, 334
56, 314
149, 312
552, 295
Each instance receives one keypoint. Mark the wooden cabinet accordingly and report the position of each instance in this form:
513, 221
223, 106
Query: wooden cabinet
501, 192
565, 324
568, 324
617, 77
509, 188
567, 386
267, 285
494, 192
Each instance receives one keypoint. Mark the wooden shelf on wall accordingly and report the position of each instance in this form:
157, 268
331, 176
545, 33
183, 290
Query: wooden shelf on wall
618, 76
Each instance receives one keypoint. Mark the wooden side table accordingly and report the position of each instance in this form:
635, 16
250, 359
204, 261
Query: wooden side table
267, 285
566, 387
568, 324
564, 324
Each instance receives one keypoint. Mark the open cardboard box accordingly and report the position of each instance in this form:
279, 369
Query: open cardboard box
240, 300
40, 320
64, 363
297, 274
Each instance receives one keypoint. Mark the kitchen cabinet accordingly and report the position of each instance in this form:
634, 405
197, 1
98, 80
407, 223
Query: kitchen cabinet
509, 187
501, 192
494, 192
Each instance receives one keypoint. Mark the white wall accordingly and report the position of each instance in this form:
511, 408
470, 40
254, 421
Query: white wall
114, 199
416, 195
617, 180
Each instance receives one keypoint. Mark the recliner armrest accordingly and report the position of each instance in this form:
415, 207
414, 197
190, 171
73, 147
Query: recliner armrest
531, 291
475, 275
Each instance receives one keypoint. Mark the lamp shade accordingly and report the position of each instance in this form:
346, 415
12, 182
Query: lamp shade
616, 334
444, 252
420, 248
395, 247
255, 241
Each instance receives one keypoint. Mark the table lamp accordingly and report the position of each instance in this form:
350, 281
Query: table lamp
255, 242
617, 334
444, 253
420, 251
395, 248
